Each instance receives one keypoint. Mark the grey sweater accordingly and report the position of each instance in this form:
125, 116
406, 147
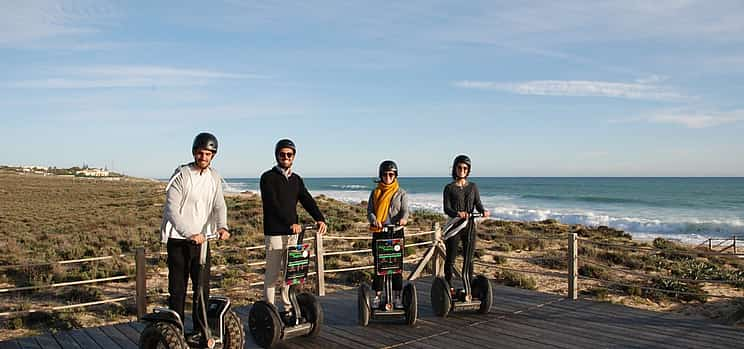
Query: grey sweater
398, 208
177, 191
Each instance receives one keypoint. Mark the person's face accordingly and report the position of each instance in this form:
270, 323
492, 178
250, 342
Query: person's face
285, 157
462, 170
388, 177
202, 158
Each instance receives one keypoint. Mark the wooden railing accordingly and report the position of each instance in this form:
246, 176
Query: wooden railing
432, 259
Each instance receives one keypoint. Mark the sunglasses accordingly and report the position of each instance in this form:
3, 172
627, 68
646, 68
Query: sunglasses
388, 174
462, 167
287, 155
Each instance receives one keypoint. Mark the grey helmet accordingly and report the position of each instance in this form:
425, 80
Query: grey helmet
206, 141
461, 159
285, 143
387, 165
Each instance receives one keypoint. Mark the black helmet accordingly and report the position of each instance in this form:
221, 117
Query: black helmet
387, 165
285, 143
461, 159
206, 141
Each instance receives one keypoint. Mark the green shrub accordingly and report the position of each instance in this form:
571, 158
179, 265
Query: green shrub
514, 279
593, 271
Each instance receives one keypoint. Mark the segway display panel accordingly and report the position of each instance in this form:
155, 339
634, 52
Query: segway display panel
389, 256
298, 263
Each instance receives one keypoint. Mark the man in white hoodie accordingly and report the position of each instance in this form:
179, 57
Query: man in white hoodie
194, 207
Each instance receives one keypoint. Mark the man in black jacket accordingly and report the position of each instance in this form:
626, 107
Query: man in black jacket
281, 189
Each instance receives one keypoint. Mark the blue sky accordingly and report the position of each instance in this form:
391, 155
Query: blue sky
528, 88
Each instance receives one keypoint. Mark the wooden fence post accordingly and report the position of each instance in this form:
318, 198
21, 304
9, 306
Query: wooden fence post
319, 264
710, 244
437, 261
734, 244
141, 287
572, 266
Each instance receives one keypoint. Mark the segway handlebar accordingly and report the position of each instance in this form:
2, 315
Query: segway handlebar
306, 227
391, 228
476, 215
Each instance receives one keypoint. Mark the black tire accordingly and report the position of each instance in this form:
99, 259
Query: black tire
363, 307
234, 334
162, 335
410, 302
441, 299
264, 324
482, 290
311, 311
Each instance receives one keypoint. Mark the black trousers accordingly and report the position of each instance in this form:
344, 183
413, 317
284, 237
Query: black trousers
467, 236
183, 262
397, 278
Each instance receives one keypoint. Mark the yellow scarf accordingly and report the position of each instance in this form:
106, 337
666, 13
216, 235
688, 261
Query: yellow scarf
383, 195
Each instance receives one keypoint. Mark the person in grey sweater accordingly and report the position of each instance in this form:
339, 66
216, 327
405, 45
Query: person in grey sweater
194, 208
388, 204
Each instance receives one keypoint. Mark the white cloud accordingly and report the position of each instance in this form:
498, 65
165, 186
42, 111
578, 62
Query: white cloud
23, 22
577, 88
697, 119
117, 76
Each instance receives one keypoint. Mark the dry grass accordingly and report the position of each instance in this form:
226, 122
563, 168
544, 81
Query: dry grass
53, 218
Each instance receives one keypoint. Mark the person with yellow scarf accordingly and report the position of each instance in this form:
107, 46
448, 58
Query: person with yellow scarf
388, 204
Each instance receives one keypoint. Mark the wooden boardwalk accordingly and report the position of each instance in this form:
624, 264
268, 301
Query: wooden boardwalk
519, 319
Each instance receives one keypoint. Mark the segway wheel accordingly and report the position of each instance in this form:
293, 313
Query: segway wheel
159, 335
441, 299
264, 324
234, 335
363, 308
312, 311
410, 302
482, 290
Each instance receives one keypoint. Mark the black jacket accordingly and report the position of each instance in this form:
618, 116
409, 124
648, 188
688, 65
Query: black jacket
463, 199
280, 195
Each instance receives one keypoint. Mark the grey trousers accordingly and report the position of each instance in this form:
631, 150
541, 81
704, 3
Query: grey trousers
276, 250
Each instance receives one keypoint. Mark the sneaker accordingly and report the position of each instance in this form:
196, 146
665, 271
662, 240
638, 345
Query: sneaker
398, 302
376, 302
287, 317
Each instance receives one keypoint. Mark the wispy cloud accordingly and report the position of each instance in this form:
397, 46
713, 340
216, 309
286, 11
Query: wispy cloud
577, 88
118, 76
23, 22
697, 119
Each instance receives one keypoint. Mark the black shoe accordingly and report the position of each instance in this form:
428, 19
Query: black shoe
195, 339
288, 317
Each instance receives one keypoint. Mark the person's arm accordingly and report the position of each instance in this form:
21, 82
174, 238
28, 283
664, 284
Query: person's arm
371, 209
448, 209
173, 198
270, 198
477, 200
403, 214
219, 211
309, 203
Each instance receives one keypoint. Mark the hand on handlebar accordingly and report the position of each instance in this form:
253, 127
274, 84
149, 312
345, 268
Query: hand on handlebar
197, 238
321, 227
223, 234
486, 213
296, 228
402, 222
462, 214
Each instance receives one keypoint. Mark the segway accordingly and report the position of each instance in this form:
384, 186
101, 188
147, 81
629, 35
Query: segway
305, 317
224, 330
388, 262
476, 293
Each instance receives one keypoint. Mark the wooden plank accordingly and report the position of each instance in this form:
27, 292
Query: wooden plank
83, 339
119, 338
28, 343
11, 344
128, 331
65, 340
47, 341
101, 338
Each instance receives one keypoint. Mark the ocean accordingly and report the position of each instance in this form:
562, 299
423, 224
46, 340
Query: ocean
687, 209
